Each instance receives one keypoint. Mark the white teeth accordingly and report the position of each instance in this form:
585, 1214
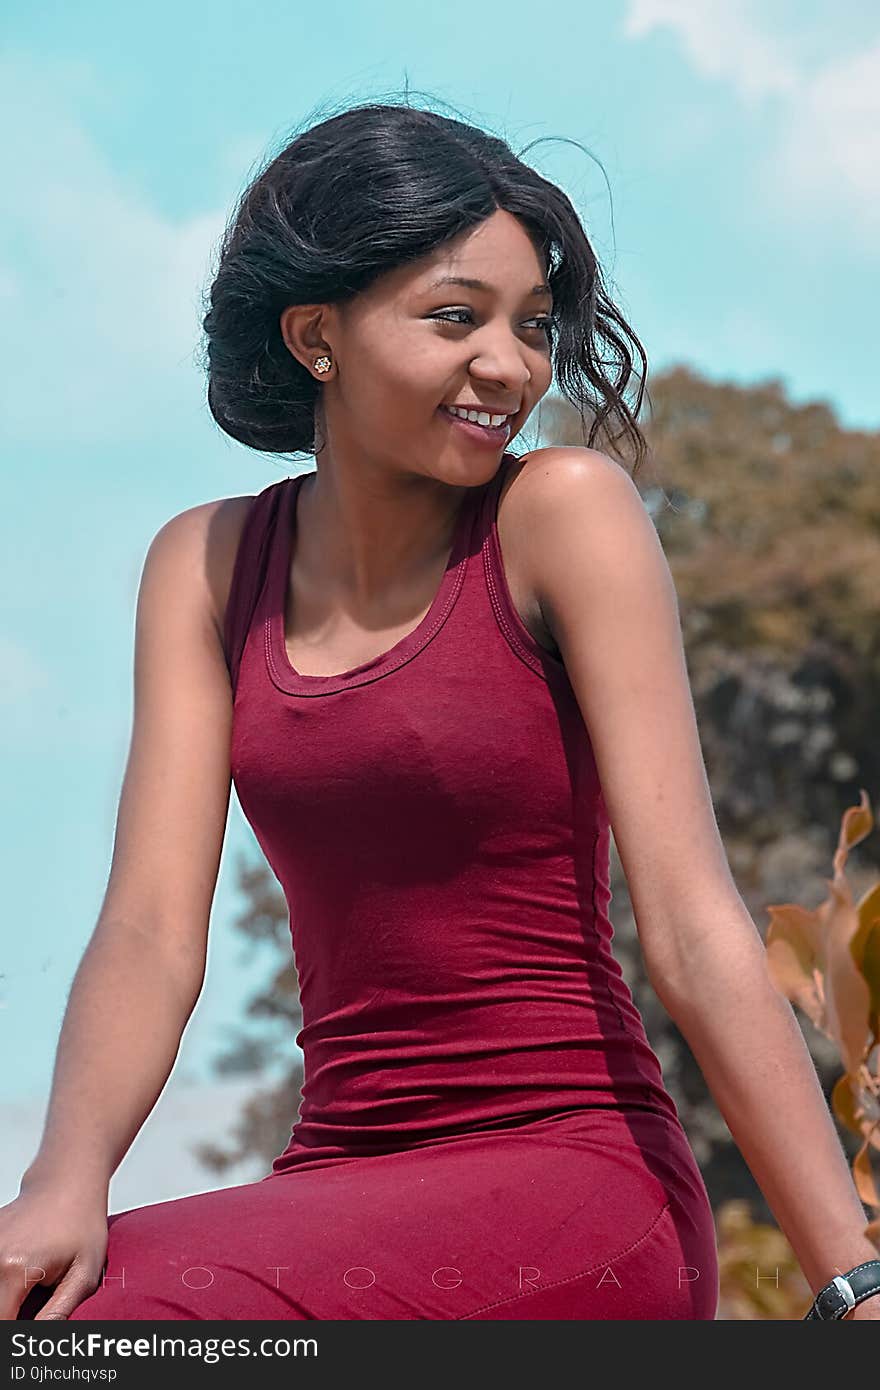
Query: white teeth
479, 417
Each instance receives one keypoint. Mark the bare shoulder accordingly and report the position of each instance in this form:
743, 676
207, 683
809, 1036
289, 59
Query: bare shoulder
549, 474
206, 538
545, 492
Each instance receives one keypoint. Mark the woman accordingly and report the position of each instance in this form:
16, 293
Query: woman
397, 658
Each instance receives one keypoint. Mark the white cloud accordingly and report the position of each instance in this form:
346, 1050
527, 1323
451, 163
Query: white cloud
822, 150
829, 150
101, 286
722, 39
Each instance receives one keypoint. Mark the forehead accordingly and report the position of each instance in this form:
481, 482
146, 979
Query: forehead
499, 258
471, 282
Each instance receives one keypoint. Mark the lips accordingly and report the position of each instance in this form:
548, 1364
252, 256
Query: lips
481, 434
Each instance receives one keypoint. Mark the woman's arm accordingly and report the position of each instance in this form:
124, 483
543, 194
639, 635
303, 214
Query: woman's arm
606, 593
143, 969
747, 1043
125, 1016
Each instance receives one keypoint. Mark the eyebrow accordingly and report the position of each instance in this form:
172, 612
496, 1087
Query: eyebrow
470, 284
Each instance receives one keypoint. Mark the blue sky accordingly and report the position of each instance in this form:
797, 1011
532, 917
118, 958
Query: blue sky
741, 234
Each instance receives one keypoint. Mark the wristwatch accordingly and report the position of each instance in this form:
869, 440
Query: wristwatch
841, 1295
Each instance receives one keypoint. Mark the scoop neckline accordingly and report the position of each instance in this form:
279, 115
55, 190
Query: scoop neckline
281, 669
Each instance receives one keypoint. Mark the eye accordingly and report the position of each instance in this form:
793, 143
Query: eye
545, 322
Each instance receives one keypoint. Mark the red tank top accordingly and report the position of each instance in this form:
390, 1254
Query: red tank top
435, 819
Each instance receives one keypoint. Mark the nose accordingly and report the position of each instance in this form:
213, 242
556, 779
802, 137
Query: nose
501, 360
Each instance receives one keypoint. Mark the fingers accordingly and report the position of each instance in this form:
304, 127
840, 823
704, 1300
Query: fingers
21, 1291
67, 1296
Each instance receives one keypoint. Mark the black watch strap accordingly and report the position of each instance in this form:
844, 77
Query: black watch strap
844, 1291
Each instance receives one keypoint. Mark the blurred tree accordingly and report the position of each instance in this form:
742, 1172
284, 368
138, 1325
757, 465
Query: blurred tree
759, 1276
262, 1046
827, 963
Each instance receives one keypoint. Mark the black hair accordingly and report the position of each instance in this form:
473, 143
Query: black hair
364, 192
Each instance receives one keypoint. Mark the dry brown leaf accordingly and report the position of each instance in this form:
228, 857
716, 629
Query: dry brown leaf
827, 963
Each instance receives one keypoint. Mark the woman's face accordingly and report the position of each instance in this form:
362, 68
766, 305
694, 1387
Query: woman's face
407, 345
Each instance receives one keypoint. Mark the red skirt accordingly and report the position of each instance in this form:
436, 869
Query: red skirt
583, 1214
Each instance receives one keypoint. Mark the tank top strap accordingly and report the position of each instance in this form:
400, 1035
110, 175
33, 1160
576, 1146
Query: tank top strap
487, 549
487, 508
250, 571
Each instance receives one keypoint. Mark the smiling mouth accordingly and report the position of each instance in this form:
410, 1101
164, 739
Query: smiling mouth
507, 417
493, 435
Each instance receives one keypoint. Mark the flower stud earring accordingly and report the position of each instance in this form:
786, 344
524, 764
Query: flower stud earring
322, 364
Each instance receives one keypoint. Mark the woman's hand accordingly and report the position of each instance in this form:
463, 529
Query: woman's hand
54, 1235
